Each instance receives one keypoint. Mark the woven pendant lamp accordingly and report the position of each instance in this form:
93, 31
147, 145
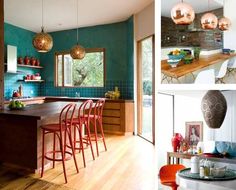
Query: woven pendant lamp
214, 108
77, 51
42, 41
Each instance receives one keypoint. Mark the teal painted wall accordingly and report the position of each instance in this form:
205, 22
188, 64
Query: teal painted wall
116, 38
22, 39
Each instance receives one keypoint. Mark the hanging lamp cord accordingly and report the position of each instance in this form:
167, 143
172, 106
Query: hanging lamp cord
42, 18
77, 31
208, 5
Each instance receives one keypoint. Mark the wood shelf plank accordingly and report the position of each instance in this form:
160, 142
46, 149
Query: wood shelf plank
30, 66
30, 80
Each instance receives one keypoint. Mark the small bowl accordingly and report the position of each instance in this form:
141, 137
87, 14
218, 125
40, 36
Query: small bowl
218, 172
176, 57
37, 77
173, 62
188, 60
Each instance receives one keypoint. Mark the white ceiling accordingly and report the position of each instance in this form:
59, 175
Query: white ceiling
61, 14
199, 6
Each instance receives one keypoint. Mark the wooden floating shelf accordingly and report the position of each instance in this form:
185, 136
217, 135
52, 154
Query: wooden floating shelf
30, 80
30, 66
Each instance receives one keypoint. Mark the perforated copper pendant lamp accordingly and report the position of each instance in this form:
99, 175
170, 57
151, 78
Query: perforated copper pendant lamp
209, 20
42, 41
224, 24
77, 51
182, 14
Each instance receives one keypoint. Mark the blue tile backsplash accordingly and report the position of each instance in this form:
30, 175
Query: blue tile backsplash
125, 87
11, 83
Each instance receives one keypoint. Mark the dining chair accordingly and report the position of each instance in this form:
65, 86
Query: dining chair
231, 65
61, 130
205, 77
168, 175
222, 72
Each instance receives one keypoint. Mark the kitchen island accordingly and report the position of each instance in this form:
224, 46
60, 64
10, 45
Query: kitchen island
20, 129
21, 134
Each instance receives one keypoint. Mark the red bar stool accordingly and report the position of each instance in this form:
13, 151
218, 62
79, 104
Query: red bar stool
96, 120
62, 130
81, 121
168, 175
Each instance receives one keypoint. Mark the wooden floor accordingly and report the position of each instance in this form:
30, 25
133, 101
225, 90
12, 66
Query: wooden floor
129, 164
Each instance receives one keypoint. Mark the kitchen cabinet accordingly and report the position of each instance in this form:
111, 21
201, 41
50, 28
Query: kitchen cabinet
118, 117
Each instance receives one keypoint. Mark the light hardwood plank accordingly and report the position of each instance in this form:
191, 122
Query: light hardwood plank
129, 164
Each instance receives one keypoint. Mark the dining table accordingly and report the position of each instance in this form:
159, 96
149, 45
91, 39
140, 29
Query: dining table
192, 184
169, 73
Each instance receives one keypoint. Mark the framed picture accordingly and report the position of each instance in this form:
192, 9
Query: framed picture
193, 132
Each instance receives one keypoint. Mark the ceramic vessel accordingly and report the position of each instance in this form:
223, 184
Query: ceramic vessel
176, 139
26, 60
214, 107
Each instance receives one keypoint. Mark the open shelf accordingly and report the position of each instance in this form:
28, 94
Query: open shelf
30, 80
30, 66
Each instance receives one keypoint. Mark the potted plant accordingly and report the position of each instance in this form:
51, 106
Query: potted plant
196, 52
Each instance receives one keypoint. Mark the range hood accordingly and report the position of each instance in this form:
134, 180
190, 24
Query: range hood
11, 59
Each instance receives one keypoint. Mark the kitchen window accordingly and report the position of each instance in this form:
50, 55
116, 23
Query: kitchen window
88, 72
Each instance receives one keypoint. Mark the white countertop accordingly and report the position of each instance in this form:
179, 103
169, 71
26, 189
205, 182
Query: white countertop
189, 184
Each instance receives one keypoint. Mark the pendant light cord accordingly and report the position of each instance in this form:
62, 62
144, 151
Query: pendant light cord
42, 17
208, 5
77, 32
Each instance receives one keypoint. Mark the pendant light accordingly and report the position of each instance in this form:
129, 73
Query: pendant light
224, 23
182, 13
214, 108
77, 51
209, 20
42, 41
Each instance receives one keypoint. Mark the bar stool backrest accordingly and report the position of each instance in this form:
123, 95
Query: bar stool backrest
85, 109
98, 109
66, 115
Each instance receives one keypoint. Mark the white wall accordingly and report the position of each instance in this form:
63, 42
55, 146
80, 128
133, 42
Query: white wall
230, 35
144, 22
188, 108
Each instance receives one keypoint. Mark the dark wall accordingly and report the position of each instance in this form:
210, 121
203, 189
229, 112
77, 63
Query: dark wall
179, 35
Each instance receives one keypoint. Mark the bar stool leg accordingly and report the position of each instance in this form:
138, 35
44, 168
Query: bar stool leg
54, 148
96, 136
63, 156
81, 144
42, 170
73, 150
89, 139
103, 138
